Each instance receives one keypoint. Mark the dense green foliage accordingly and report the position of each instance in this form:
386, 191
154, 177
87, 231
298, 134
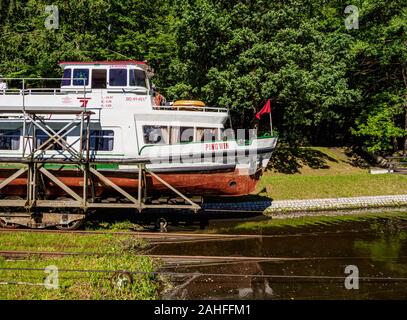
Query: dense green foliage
328, 84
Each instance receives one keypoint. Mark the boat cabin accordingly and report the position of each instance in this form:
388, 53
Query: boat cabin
126, 120
112, 75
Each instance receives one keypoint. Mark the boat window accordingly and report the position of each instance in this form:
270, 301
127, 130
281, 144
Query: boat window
118, 77
79, 74
155, 134
181, 134
187, 134
99, 78
66, 78
10, 139
41, 137
227, 134
207, 134
101, 140
137, 78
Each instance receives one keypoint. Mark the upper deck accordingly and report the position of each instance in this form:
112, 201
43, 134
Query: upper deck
105, 85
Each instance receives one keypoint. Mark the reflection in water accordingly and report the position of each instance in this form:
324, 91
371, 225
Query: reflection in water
377, 246
389, 248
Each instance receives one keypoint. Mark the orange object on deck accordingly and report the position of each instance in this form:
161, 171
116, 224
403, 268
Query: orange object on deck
189, 103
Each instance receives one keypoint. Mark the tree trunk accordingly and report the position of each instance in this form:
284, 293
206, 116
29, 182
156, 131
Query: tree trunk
405, 128
404, 73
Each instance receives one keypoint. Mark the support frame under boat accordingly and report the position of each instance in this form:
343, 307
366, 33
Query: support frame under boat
35, 210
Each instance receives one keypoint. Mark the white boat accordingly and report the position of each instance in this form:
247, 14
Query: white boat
186, 141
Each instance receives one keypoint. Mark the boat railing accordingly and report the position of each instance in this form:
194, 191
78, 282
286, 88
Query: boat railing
42, 91
22, 89
191, 108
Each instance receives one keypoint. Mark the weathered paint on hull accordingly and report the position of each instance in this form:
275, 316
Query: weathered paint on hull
228, 183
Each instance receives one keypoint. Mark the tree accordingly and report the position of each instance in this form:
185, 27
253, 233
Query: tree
239, 55
380, 55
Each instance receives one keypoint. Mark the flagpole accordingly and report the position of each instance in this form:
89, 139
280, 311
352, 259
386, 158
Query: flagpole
271, 123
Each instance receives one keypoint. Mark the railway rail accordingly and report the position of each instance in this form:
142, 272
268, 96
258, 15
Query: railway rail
174, 236
177, 258
200, 274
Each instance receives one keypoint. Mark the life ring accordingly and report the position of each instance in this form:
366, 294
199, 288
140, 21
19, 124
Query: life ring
189, 103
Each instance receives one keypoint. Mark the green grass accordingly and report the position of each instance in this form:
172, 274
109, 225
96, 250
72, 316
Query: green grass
319, 172
109, 253
79, 285
310, 187
98, 243
98, 225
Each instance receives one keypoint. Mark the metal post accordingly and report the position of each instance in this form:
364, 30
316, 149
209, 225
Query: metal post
85, 183
25, 119
271, 125
23, 95
87, 138
140, 177
34, 185
81, 138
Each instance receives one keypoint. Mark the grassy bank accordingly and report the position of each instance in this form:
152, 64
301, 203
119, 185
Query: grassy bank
85, 276
325, 173
310, 187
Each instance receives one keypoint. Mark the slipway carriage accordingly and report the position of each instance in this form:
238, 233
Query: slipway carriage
103, 140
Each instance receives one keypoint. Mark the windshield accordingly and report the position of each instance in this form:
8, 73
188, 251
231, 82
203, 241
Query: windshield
138, 78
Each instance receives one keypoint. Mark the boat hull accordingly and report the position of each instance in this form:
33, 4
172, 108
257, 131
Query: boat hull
214, 183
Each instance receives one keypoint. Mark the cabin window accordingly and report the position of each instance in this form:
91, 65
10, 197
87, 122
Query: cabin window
118, 77
207, 134
10, 139
137, 78
101, 140
99, 78
155, 134
41, 137
79, 74
181, 134
66, 78
187, 134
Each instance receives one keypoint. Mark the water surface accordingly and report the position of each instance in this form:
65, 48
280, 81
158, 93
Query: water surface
376, 245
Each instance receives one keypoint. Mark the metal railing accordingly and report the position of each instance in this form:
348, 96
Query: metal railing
191, 108
30, 91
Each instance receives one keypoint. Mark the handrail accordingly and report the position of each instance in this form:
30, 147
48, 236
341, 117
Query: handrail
188, 108
38, 91
84, 79
29, 91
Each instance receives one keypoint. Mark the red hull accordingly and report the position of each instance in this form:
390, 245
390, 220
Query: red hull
195, 183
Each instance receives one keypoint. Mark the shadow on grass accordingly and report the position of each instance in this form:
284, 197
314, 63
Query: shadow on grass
290, 160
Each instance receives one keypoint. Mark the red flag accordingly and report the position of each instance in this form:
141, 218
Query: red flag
264, 110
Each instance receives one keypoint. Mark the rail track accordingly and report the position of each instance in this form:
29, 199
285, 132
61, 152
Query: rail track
134, 233
173, 258
174, 236
153, 237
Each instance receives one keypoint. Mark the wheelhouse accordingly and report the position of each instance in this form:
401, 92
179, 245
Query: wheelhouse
110, 75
